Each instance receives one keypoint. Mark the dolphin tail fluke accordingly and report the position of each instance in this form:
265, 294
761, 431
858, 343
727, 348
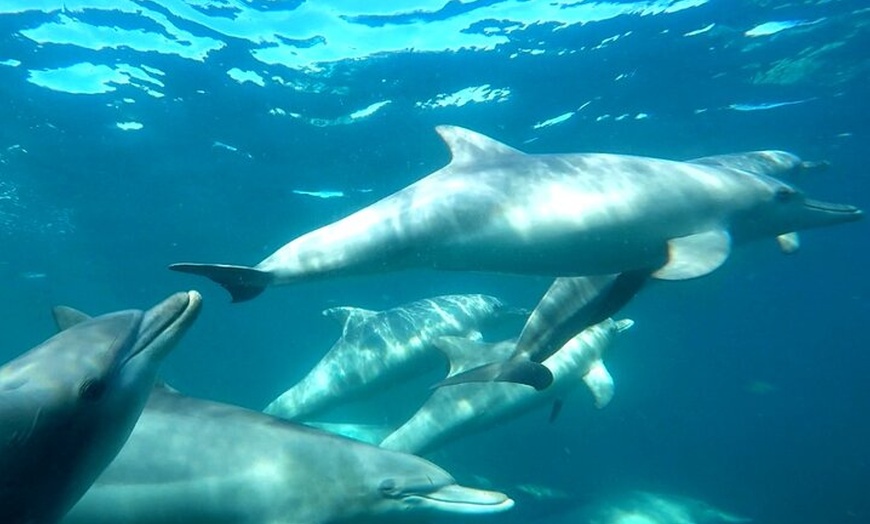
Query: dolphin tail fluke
518, 371
242, 282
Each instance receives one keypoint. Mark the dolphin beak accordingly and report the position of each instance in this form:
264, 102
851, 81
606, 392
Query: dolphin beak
459, 499
847, 212
164, 324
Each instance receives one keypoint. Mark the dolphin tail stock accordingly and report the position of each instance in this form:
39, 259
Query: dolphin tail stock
242, 282
519, 371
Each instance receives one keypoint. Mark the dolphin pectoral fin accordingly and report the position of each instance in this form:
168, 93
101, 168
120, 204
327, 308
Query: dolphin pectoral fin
695, 255
66, 317
242, 282
517, 371
789, 242
600, 383
555, 410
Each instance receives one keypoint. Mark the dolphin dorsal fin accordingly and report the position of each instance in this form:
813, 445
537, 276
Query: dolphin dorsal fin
467, 146
66, 317
349, 317
600, 383
160, 383
465, 354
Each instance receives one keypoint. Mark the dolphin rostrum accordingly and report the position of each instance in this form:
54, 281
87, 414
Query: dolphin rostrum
494, 208
196, 461
68, 405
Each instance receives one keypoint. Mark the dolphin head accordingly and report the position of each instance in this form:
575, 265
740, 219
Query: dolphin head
68, 405
161, 328
118, 351
783, 209
406, 487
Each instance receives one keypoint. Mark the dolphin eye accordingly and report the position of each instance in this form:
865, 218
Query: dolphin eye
784, 194
388, 487
92, 389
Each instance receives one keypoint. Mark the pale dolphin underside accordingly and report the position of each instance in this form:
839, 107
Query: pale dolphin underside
196, 461
494, 208
68, 405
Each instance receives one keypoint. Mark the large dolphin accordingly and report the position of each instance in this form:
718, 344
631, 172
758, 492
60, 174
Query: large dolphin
494, 208
196, 461
68, 405
458, 410
380, 348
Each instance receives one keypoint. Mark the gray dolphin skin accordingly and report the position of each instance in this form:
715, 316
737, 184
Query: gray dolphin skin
462, 409
494, 208
68, 405
194, 461
380, 348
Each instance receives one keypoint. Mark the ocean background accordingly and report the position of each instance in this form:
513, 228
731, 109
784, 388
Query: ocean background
135, 134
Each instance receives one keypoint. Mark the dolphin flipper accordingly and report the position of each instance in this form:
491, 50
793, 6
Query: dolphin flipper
600, 383
695, 255
242, 282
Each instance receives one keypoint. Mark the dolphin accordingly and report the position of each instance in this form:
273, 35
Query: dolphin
454, 411
379, 348
569, 306
767, 163
196, 461
494, 208
69, 404
646, 507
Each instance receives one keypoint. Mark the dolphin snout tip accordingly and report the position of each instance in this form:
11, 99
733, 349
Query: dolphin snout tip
194, 298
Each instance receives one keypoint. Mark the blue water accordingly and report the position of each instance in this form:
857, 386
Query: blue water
135, 134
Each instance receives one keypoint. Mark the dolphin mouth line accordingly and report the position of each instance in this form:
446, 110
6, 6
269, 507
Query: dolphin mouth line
829, 207
459, 499
179, 315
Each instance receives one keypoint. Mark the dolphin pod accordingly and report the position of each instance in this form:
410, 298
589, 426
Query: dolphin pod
379, 348
196, 461
68, 405
494, 208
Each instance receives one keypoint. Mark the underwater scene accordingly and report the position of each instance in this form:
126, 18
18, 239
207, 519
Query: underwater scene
503, 261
